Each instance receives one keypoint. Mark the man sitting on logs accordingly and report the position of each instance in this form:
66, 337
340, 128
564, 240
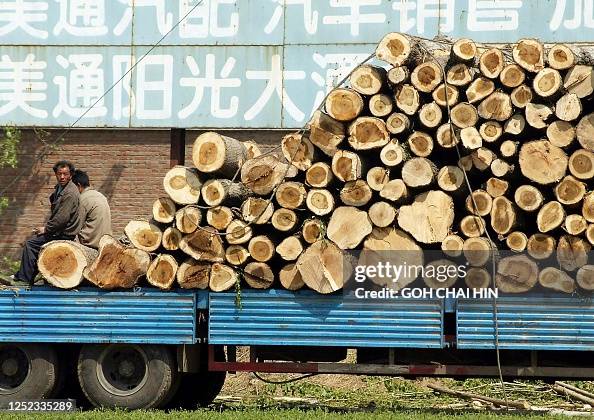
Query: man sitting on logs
94, 213
63, 224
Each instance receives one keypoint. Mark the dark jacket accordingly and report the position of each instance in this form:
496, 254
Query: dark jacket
64, 218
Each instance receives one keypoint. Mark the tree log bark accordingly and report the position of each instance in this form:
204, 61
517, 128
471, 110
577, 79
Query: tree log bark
218, 191
214, 153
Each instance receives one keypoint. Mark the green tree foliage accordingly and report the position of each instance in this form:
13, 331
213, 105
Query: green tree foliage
9, 146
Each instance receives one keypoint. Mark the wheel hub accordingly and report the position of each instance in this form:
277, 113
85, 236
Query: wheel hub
10, 367
14, 368
122, 369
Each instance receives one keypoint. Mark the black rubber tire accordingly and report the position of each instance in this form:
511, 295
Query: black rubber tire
41, 378
161, 376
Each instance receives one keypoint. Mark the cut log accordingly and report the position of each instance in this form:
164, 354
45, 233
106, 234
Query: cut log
187, 219
528, 198
529, 53
581, 164
222, 277
347, 166
514, 125
161, 273
395, 191
568, 107
319, 175
503, 215
521, 96
368, 133
419, 172
380, 105
575, 224
550, 216
541, 246
252, 149
517, 241
348, 226
450, 178
512, 76
324, 267
236, 255
262, 174
590, 233
445, 96
398, 75
407, 99
393, 154
429, 219
61, 263
579, 80
182, 185
570, 191
382, 214
560, 57
213, 152
516, 274
320, 201
396, 246
164, 210
491, 63
395, 48
471, 138
479, 89
203, 245
497, 106
290, 248
355, 193
290, 277
585, 132
459, 75
298, 151
537, 115
501, 168
377, 177
585, 277
472, 226
193, 274
291, 194
464, 50
555, 279
420, 143
344, 104
143, 235
477, 278
367, 79
325, 132
496, 187
482, 158
218, 191
572, 252
238, 233
464, 115
440, 274
542, 162
117, 266
430, 115
258, 275
547, 83
171, 238
261, 248
313, 230
490, 131
509, 148
219, 217
426, 76
477, 251
255, 210
397, 123
452, 246
284, 220
479, 203
588, 207
561, 133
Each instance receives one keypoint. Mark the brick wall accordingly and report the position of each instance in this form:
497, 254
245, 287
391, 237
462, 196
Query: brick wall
126, 165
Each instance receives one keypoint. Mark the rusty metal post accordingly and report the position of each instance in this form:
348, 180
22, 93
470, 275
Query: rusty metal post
177, 146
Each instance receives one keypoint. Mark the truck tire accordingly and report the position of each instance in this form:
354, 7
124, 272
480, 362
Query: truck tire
126, 375
27, 372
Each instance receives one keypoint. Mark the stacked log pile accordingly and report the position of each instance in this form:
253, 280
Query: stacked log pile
456, 147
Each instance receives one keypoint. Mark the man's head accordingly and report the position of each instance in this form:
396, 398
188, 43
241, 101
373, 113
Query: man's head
81, 180
63, 170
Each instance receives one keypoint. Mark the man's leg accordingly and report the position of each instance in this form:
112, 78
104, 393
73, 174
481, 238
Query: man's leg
28, 269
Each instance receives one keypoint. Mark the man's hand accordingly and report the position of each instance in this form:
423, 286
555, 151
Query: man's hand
39, 231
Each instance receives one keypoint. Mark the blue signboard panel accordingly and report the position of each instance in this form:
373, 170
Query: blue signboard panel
226, 63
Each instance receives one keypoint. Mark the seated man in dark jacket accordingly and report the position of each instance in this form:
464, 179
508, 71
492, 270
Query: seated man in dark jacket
63, 223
